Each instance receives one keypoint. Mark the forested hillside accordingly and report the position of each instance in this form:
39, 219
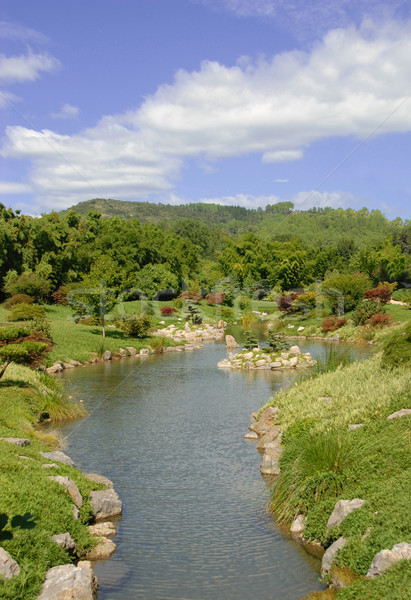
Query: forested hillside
157, 247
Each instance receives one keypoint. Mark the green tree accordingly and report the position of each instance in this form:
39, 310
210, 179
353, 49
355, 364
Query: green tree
153, 279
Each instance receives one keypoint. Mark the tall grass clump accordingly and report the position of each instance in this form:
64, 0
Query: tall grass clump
333, 358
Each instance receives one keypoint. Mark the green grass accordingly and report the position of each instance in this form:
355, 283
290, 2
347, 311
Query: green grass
32, 508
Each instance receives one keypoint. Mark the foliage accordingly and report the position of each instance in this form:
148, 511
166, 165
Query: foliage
27, 283
18, 299
365, 310
11, 333
26, 312
380, 319
168, 311
136, 325
217, 298
285, 302
333, 323
153, 279
345, 290
193, 296
244, 302
276, 343
193, 315
403, 295
382, 292
397, 349
250, 341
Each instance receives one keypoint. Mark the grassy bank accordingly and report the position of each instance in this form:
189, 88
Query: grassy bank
324, 462
33, 508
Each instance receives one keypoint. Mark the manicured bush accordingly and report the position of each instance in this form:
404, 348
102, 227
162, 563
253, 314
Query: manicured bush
244, 302
193, 315
60, 295
380, 320
26, 312
250, 341
17, 299
217, 298
27, 283
136, 325
276, 343
366, 310
382, 293
345, 290
168, 311
333, 323
193, 296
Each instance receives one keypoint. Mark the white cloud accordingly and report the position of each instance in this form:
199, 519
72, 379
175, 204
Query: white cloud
68, 111
7, 98
347, 85
26, 67
14, 187
14, 31
281, 156
281, 180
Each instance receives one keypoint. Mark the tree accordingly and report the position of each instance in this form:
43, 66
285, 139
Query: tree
153, 279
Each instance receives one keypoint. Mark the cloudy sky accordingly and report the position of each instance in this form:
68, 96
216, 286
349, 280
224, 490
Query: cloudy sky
245, 102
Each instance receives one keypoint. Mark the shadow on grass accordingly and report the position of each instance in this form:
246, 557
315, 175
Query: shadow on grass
26, 521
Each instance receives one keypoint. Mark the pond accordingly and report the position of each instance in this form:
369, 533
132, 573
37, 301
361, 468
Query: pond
168, 430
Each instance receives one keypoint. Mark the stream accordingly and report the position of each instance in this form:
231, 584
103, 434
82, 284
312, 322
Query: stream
168, 431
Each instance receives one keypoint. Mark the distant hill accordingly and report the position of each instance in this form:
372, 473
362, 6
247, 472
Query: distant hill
315, 227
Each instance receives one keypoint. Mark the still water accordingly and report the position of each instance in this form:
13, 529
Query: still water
168, 431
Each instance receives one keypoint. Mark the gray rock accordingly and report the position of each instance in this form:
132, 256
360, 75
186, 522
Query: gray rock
105, 503
76, 512
285, 355
295, 350
286, 363
75, 363
103, 550
16, 441
224, 364
58, 456
261, 363
269, 437
104, 529
330, 553
297, 527
270, 460
293, 361
251, 436
71, 488
327, 399
8, 566
55, 368
342, 509
132, 351
107, 355
248, 364
266, 421
122, 352
51, 466
99, 479
400, 413
187, 328
144, 352
275, 364
230, 342
65, 541
386, 558
354, 426
247, 356
68, 582
68, 365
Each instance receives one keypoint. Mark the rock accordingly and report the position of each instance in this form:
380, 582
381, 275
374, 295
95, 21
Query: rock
122, 352
16, 441
65, 541
265, 422
248, 365
330, 553
224, 364
55, 368
104, 529
261, 363
105, 503
71, 487
75, 363
400, 413
254, 416
132, 351
297, 527
84, 563
58, 456
269, 463
230, 342
251, 435
269, 437
75, 512
275, 364
187, 328
285, 355
144, 352
341, 510
162, 323
68, 366
107, 355
247, 356
51, 466
220, 324
293, 361
99, 479
295, 350
386, 558
68, 582
327, 399
355, 426
102, 550
285, 363
8, 566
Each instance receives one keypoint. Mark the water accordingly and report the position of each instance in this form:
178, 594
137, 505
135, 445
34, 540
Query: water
168, 430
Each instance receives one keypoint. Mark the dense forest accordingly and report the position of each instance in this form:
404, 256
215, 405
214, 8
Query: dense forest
155, 247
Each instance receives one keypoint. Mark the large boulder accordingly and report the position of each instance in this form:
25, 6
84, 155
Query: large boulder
297, 527
107, 355
266, 421
271, 435
71, 488
58, 456
57, 367
386, 558
103, 550
8, 566
270, 461
341, 510
99, 479
103, 529
330, 553
399, 413
16, 441
68, 582
230, 342
105, 503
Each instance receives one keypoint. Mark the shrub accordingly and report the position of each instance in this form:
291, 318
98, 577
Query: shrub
26, 312
192, 296
60, 295
285, 302
344, 291
276, 343
217, 298
244, 302
8, 334
403, 295
306, 300
365, 311
27, 283
382, 293
333, 323
17, 299
397, 349
250, 341
193, 315
168, 311
380, 320
136, 325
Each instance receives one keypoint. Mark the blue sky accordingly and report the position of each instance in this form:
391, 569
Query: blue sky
231, 101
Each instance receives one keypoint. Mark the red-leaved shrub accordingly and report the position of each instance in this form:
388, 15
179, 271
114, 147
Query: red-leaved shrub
194, 297
217, 298
168, 311
381, 294
18, 299
285, 302
333, 323
380, 320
